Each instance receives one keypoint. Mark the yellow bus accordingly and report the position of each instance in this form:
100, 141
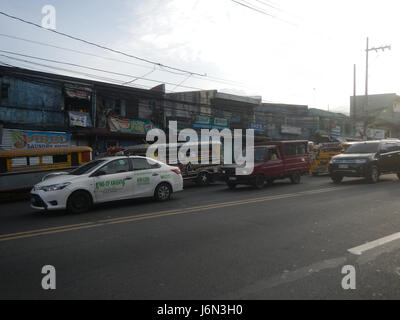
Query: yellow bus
21, 169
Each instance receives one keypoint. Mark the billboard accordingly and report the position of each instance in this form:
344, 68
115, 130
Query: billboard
16, 139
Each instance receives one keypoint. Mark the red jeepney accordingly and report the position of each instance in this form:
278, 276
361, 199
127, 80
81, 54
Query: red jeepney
272, 161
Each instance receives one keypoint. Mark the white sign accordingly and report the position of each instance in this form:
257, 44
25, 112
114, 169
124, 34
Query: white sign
290, 130
371, 133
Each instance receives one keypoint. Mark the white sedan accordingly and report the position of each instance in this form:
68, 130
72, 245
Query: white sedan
106, 179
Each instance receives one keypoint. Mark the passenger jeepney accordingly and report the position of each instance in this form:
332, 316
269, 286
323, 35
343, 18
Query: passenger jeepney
322, 155
21, 169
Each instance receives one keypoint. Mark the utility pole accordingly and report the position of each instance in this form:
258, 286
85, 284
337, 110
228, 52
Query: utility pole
354, 93
368, 49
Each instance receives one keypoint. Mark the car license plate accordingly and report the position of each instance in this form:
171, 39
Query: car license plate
343, 166
232, 178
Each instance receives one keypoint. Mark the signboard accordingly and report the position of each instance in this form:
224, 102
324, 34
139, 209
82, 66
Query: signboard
290, 130
78, 92
130, 126
79, 119
371, 133
25, 139
336, 131
257, 127
207, 122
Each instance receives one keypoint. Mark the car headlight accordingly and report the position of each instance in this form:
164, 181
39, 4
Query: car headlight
54, 187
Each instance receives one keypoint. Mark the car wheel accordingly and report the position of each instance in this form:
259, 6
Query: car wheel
337, 178
203, 179
398, 175
259, 182
163, 192
295, 178
231, 185
373, 176
79, 202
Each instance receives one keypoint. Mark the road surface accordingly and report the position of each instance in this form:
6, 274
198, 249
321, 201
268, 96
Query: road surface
282, 242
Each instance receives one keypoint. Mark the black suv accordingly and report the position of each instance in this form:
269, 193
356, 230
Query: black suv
368, 159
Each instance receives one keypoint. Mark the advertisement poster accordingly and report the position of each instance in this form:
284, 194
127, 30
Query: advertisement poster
130, 126
15, 139
79, 119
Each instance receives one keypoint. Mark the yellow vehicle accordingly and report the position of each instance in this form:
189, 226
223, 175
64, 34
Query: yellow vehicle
321, 157
347, 144
21, 169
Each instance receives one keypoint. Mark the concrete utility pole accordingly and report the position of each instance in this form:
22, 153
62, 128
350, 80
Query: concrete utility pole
354, 93
368, 49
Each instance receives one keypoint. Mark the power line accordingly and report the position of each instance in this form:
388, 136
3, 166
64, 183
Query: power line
146, 74
251, 7
210, 78
66, 70
90, 68
180, 84
268, 4
98, 45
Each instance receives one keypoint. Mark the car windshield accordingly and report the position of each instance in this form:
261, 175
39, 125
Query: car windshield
363, 147
86, 167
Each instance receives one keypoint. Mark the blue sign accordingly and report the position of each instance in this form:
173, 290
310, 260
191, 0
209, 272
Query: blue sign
258, 128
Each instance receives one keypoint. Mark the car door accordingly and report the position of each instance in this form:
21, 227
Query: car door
396, 158
113, 181
273, 167
146, 176
260, 163
387, 157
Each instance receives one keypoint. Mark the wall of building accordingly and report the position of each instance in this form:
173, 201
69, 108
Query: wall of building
30, 102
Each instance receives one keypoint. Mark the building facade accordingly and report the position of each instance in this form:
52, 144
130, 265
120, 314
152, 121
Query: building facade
379, 114
38, 108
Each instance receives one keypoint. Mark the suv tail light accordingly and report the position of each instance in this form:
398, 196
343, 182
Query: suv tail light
177, 171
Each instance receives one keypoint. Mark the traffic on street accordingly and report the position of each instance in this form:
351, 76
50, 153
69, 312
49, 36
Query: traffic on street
284, 241
199, 158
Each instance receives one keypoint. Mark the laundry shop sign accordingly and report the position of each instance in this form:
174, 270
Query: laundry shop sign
26, 139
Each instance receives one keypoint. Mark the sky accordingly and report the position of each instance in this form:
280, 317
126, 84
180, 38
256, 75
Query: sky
299, 52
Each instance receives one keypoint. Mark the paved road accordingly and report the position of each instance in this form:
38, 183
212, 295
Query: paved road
282, 242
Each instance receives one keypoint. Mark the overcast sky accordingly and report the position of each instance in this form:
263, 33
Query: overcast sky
300, 52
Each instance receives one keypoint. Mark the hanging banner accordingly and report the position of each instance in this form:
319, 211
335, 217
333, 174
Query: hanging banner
130, 126
79, 119
77, 92
25, 139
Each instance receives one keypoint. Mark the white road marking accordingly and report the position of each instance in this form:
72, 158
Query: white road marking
373, 244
